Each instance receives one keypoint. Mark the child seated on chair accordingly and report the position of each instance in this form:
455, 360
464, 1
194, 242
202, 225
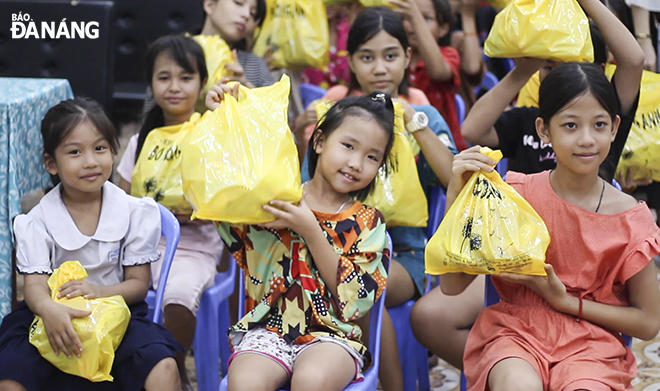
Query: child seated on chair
113, 235
320, 266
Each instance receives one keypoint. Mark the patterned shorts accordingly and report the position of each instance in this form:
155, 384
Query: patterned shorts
270, 344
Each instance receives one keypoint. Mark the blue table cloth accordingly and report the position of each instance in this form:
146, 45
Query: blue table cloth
23, 104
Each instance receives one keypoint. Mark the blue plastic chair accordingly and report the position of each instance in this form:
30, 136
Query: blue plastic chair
370, 382
488, 82
210, 345
169, 227
460, 108
310, 92
616, 184
502, 167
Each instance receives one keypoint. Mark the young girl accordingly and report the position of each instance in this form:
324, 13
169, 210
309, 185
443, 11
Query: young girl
514, 132
379, 55
562, 331
113, 235
435, 66
177, 72
320, 266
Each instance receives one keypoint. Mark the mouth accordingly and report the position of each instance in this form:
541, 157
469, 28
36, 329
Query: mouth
348, 177
174, 100
240, 26
381, 84
91, 177
586, 156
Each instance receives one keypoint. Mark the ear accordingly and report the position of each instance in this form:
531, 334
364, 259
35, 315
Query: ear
209, 5
318, 142
542, 130
615, 127
408, 56
51, 166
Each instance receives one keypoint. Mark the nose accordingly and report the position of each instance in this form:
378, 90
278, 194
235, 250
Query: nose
355, 162
586, 137
244, 12
379, 67
90, 160
175, 85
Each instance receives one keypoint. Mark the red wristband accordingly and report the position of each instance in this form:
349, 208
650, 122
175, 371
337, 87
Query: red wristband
579, 315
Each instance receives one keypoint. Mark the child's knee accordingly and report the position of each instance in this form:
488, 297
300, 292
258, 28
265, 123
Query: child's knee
10, 385
514, 375
166, 371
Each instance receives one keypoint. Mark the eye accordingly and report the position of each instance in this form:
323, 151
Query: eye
366, 57
391, 56
163, 78
73, 152
374, 158
600, 124
186, 78
570, 125
100, 148
347, 145
428, 18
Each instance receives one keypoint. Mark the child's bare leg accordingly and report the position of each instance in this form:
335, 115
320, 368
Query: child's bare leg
324, 366
181, 323
441, 322
164, 376
251, 371
514, 374
10, 385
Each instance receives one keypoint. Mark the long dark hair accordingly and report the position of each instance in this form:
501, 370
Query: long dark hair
259, 16
368, 23
376, 106
188, 55
443, 15
573, 79
62, 118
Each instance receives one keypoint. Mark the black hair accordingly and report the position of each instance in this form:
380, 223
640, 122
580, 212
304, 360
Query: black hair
599, 45
369, 22
188, 55
375, 106
573, 79
62, 118
443, 14
259, 16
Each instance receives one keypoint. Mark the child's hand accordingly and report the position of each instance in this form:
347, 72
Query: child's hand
216, 94
528, 65
305, 119
629, 184
550, 288
59, 329
75, 288
409, 10
408, 110
237, 72
466, 163
297, 218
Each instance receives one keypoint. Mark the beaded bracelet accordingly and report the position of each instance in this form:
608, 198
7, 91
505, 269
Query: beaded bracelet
642, 36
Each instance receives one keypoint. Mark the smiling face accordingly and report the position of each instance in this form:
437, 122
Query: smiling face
349, 158
233, 20
83, 160
581, 133
380, 64
175, 90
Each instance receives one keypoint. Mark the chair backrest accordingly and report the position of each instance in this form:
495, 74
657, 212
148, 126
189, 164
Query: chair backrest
616, 184
489, 81
437, 202
86, 62
310, 92
460, 108
171, 230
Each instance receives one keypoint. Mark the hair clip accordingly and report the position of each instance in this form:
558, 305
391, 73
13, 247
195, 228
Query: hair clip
380, 97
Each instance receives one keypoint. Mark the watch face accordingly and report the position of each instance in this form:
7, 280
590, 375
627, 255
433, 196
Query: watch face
422, 119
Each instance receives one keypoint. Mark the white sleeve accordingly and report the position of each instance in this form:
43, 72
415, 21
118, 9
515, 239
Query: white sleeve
127, 163
141, 241
645, 4
34, 246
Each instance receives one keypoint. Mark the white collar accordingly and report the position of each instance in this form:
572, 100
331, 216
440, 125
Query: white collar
113, 222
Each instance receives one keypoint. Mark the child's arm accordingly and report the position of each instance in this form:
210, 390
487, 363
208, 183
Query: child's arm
134, 287
478, 125
437, 67
57, 317
465, 164
625, 49
642, 25
471, 53
641, 319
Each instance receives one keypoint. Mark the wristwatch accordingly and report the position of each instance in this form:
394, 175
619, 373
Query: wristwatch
418, 122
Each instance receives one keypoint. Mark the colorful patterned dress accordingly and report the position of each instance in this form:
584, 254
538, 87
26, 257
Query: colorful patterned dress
285, 292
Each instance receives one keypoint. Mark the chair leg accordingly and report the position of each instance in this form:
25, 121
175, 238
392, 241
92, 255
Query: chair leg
206, 346
223, 322
422, 359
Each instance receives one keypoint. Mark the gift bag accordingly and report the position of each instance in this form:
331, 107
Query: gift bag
100, 333
398, 193
489, 229
551, 29
297, 32
642, 150
374, 3
157, 172
241, 156
217, 55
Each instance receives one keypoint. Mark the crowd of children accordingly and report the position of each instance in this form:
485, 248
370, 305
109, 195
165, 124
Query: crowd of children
313, 274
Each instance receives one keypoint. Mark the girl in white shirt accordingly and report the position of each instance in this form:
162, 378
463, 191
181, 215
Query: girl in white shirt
113, 235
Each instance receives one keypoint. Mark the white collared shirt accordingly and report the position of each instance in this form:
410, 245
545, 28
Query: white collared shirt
127, 234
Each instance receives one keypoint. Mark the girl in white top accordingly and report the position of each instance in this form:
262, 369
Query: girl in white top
177, 71
113, 235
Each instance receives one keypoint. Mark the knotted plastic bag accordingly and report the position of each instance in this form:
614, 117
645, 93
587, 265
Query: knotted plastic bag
551, 29
398, 193
241, 156
100, 333
297, 32
489, 229
642, 150
157, 172
217, 54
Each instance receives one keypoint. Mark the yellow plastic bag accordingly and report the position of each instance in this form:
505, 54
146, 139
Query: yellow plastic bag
297, 31
551, 29
157, 172
217, 54
489, 229
100, 333
374, 3
398, 195
241, 156
642, 150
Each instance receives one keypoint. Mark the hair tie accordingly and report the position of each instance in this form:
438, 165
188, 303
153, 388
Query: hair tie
380, 97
